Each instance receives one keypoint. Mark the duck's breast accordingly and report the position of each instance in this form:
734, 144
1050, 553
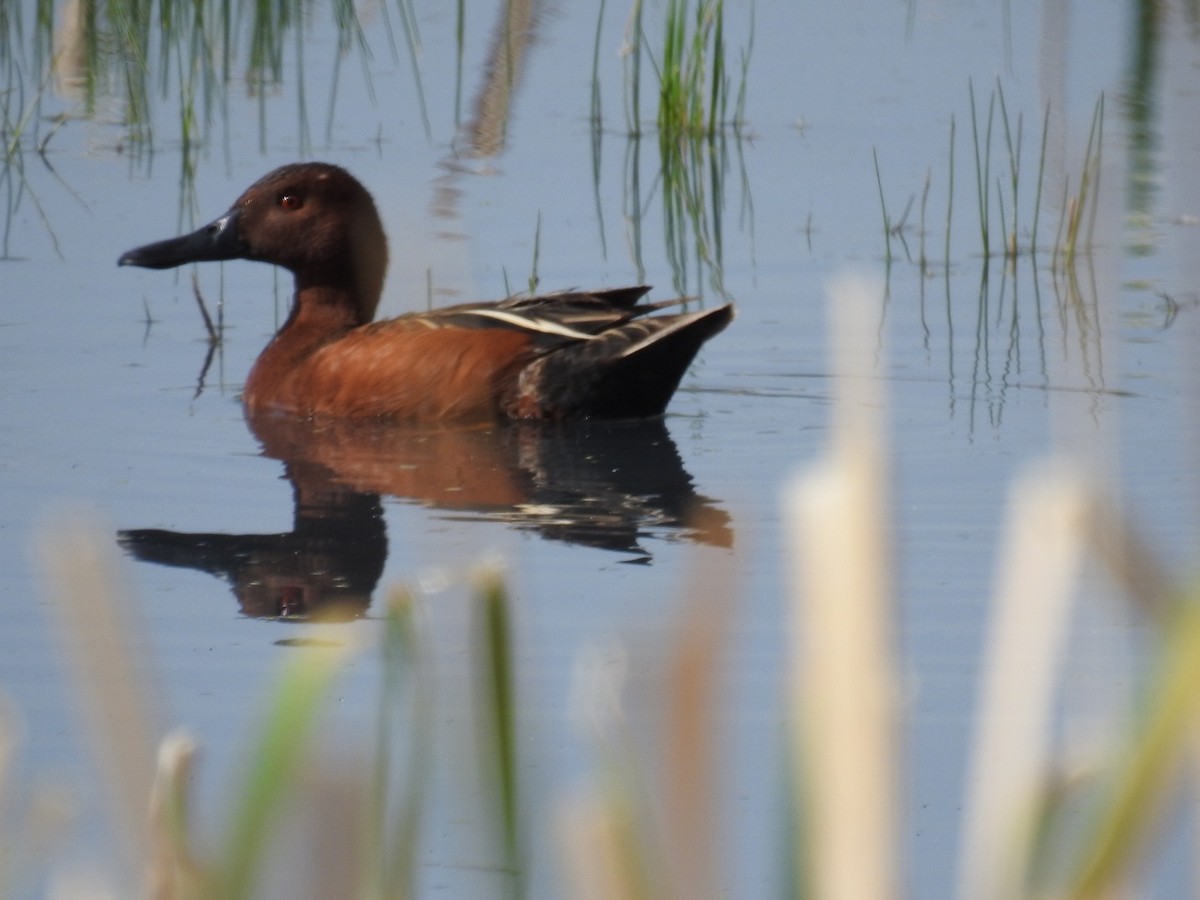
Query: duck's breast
400, 369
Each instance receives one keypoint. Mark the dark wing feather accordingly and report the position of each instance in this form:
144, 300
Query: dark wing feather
552, 320
625, 372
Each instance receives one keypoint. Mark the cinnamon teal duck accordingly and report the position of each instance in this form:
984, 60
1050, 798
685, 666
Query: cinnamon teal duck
570, 354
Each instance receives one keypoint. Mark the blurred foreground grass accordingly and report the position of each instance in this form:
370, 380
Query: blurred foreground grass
1029, 830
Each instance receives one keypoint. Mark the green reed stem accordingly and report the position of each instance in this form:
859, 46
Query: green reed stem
499, 704
983, 161
537, 247
921, 258
693, 85
275, 765
597, 115
395, 835
597, 130
887, 223
950, 193
1152, 754
1003, 218
739, 108
460, 32
1014, 165
1089, 184
1098, 130
633, 80
408, 18
1037, 200
718, 93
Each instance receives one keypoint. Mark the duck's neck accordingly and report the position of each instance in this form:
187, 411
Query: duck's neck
326, 308
319, 314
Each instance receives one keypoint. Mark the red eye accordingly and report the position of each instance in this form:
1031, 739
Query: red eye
290, 202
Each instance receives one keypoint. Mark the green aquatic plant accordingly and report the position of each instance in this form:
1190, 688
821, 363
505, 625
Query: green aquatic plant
631, 51
274, 767
1084, 203
982, 166
896, 228
697, 112
92, 55
597, 106
496, 711
1149, 756
1041, 180
949, 194
1014, 173
1010, 232
404, 721
694, 79
693, 193
1002, 201
693, 83
534, 278
21, 129
136, 51
887, 222
1009, 205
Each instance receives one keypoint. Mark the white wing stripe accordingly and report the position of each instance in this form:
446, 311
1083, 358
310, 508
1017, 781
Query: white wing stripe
545, 326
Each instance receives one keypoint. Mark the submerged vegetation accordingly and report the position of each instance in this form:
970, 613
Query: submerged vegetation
700, 112
1014, 215
134, 52
123, 62
114, 60
1007, 207
694, 81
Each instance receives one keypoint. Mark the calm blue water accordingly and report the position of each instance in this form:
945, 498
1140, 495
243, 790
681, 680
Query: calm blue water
102, 407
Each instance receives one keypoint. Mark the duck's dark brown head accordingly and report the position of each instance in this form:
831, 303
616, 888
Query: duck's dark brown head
314, 219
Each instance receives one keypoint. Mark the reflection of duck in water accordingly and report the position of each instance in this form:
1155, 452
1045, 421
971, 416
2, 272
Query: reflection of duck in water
608, 485
327, 566
598, 354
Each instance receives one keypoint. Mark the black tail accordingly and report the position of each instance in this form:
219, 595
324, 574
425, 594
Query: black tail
627, 372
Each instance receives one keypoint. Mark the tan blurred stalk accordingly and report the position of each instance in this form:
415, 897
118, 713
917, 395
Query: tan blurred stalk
690, 763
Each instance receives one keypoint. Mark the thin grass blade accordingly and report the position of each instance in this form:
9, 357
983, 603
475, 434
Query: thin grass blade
275, 763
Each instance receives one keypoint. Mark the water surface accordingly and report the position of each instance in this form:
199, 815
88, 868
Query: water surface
108, 399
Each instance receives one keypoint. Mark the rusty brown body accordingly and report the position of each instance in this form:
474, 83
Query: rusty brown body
397, 368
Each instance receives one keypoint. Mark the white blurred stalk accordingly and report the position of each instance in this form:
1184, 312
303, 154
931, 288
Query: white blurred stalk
171, 872
1026, 641
843, 669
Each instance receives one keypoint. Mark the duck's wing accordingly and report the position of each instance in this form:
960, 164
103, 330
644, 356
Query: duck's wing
551, 320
